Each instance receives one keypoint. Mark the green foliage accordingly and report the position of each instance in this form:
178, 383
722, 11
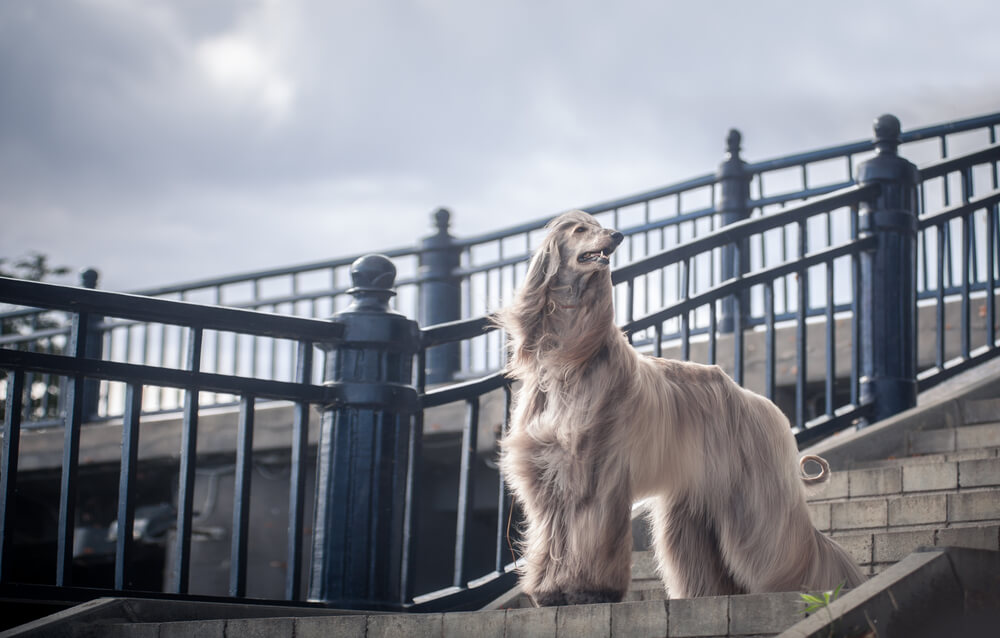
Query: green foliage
814, 603
35, 267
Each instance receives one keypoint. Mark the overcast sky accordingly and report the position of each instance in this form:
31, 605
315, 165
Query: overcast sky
165, 141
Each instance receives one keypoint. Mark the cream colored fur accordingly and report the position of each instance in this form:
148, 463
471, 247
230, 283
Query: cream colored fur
597, 426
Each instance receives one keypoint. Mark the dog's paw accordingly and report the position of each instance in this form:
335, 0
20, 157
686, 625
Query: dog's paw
585, 597
549, 598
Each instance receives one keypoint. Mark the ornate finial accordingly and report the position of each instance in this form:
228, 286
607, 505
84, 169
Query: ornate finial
373, 277
88, 278
733, 141
887, 130
442, 218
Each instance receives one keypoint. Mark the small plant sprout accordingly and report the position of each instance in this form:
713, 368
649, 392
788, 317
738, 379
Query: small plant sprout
814, 603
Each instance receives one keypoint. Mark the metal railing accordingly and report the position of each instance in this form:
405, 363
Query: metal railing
852, 268
854, 291
78, 368
445, 278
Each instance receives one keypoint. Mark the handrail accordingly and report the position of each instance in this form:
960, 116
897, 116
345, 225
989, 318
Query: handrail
268, 273
958, 210
153, 310
456, 331
740, 230
733, 286
158, 376
950, 165
862, 146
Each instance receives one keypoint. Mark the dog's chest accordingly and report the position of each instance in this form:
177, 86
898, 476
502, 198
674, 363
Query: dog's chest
562, 470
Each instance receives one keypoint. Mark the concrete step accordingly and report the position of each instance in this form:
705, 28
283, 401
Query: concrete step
910, 477
902, 511
966, 437
645, 585
724, 616
874, 551
926, 459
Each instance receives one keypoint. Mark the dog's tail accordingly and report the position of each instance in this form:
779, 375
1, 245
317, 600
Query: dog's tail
814, 479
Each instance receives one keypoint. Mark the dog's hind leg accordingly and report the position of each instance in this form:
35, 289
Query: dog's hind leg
687, 552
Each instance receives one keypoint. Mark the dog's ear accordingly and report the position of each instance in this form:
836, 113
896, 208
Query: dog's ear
544, 265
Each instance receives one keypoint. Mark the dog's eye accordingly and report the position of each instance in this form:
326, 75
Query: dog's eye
579, 229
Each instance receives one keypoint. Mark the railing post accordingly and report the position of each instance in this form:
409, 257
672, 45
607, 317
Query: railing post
440, 295
734, 197
365, 434
888, 277
94, 350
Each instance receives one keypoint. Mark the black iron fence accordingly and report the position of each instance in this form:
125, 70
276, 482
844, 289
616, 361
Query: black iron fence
78, 368
845, 277
445, 278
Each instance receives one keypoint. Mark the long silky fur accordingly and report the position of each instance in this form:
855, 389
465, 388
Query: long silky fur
597, 426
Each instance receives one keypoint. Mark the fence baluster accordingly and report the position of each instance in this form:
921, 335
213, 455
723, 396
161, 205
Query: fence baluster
297, 479
831, 350
855, 314
738, 322
411, 499
127, 484
801, 310
713, 328
991, 260
8, 472
71, 456
186, 469
241, 499
769, 345
966, 301
470, 438
503, 497
939, 353
686, 316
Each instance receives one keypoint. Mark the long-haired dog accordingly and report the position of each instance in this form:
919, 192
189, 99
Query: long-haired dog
597, 426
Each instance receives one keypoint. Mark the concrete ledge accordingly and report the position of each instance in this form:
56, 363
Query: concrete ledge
905, 479
942, 592
105, 612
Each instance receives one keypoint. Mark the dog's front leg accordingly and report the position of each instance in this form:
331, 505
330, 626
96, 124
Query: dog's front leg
579, 552
543, 549
600, 549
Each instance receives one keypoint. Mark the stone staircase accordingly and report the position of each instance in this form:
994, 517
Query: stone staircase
929, 478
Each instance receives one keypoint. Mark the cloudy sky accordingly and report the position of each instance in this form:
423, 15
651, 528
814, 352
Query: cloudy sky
168, 140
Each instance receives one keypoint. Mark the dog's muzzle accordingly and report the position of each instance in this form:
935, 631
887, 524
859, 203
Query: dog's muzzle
603, 256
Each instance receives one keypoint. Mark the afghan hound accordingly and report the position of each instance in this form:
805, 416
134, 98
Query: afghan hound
597, 426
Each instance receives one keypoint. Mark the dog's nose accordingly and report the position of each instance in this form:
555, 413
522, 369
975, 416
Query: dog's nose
617, 237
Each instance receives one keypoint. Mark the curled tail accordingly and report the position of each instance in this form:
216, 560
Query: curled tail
814, 479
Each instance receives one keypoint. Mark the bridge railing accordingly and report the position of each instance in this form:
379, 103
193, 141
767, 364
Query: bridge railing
845, 284
78, 365
445, 278
842, 269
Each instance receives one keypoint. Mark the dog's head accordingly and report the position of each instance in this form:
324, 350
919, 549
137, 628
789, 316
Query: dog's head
568, 280
576, 247
585, 244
